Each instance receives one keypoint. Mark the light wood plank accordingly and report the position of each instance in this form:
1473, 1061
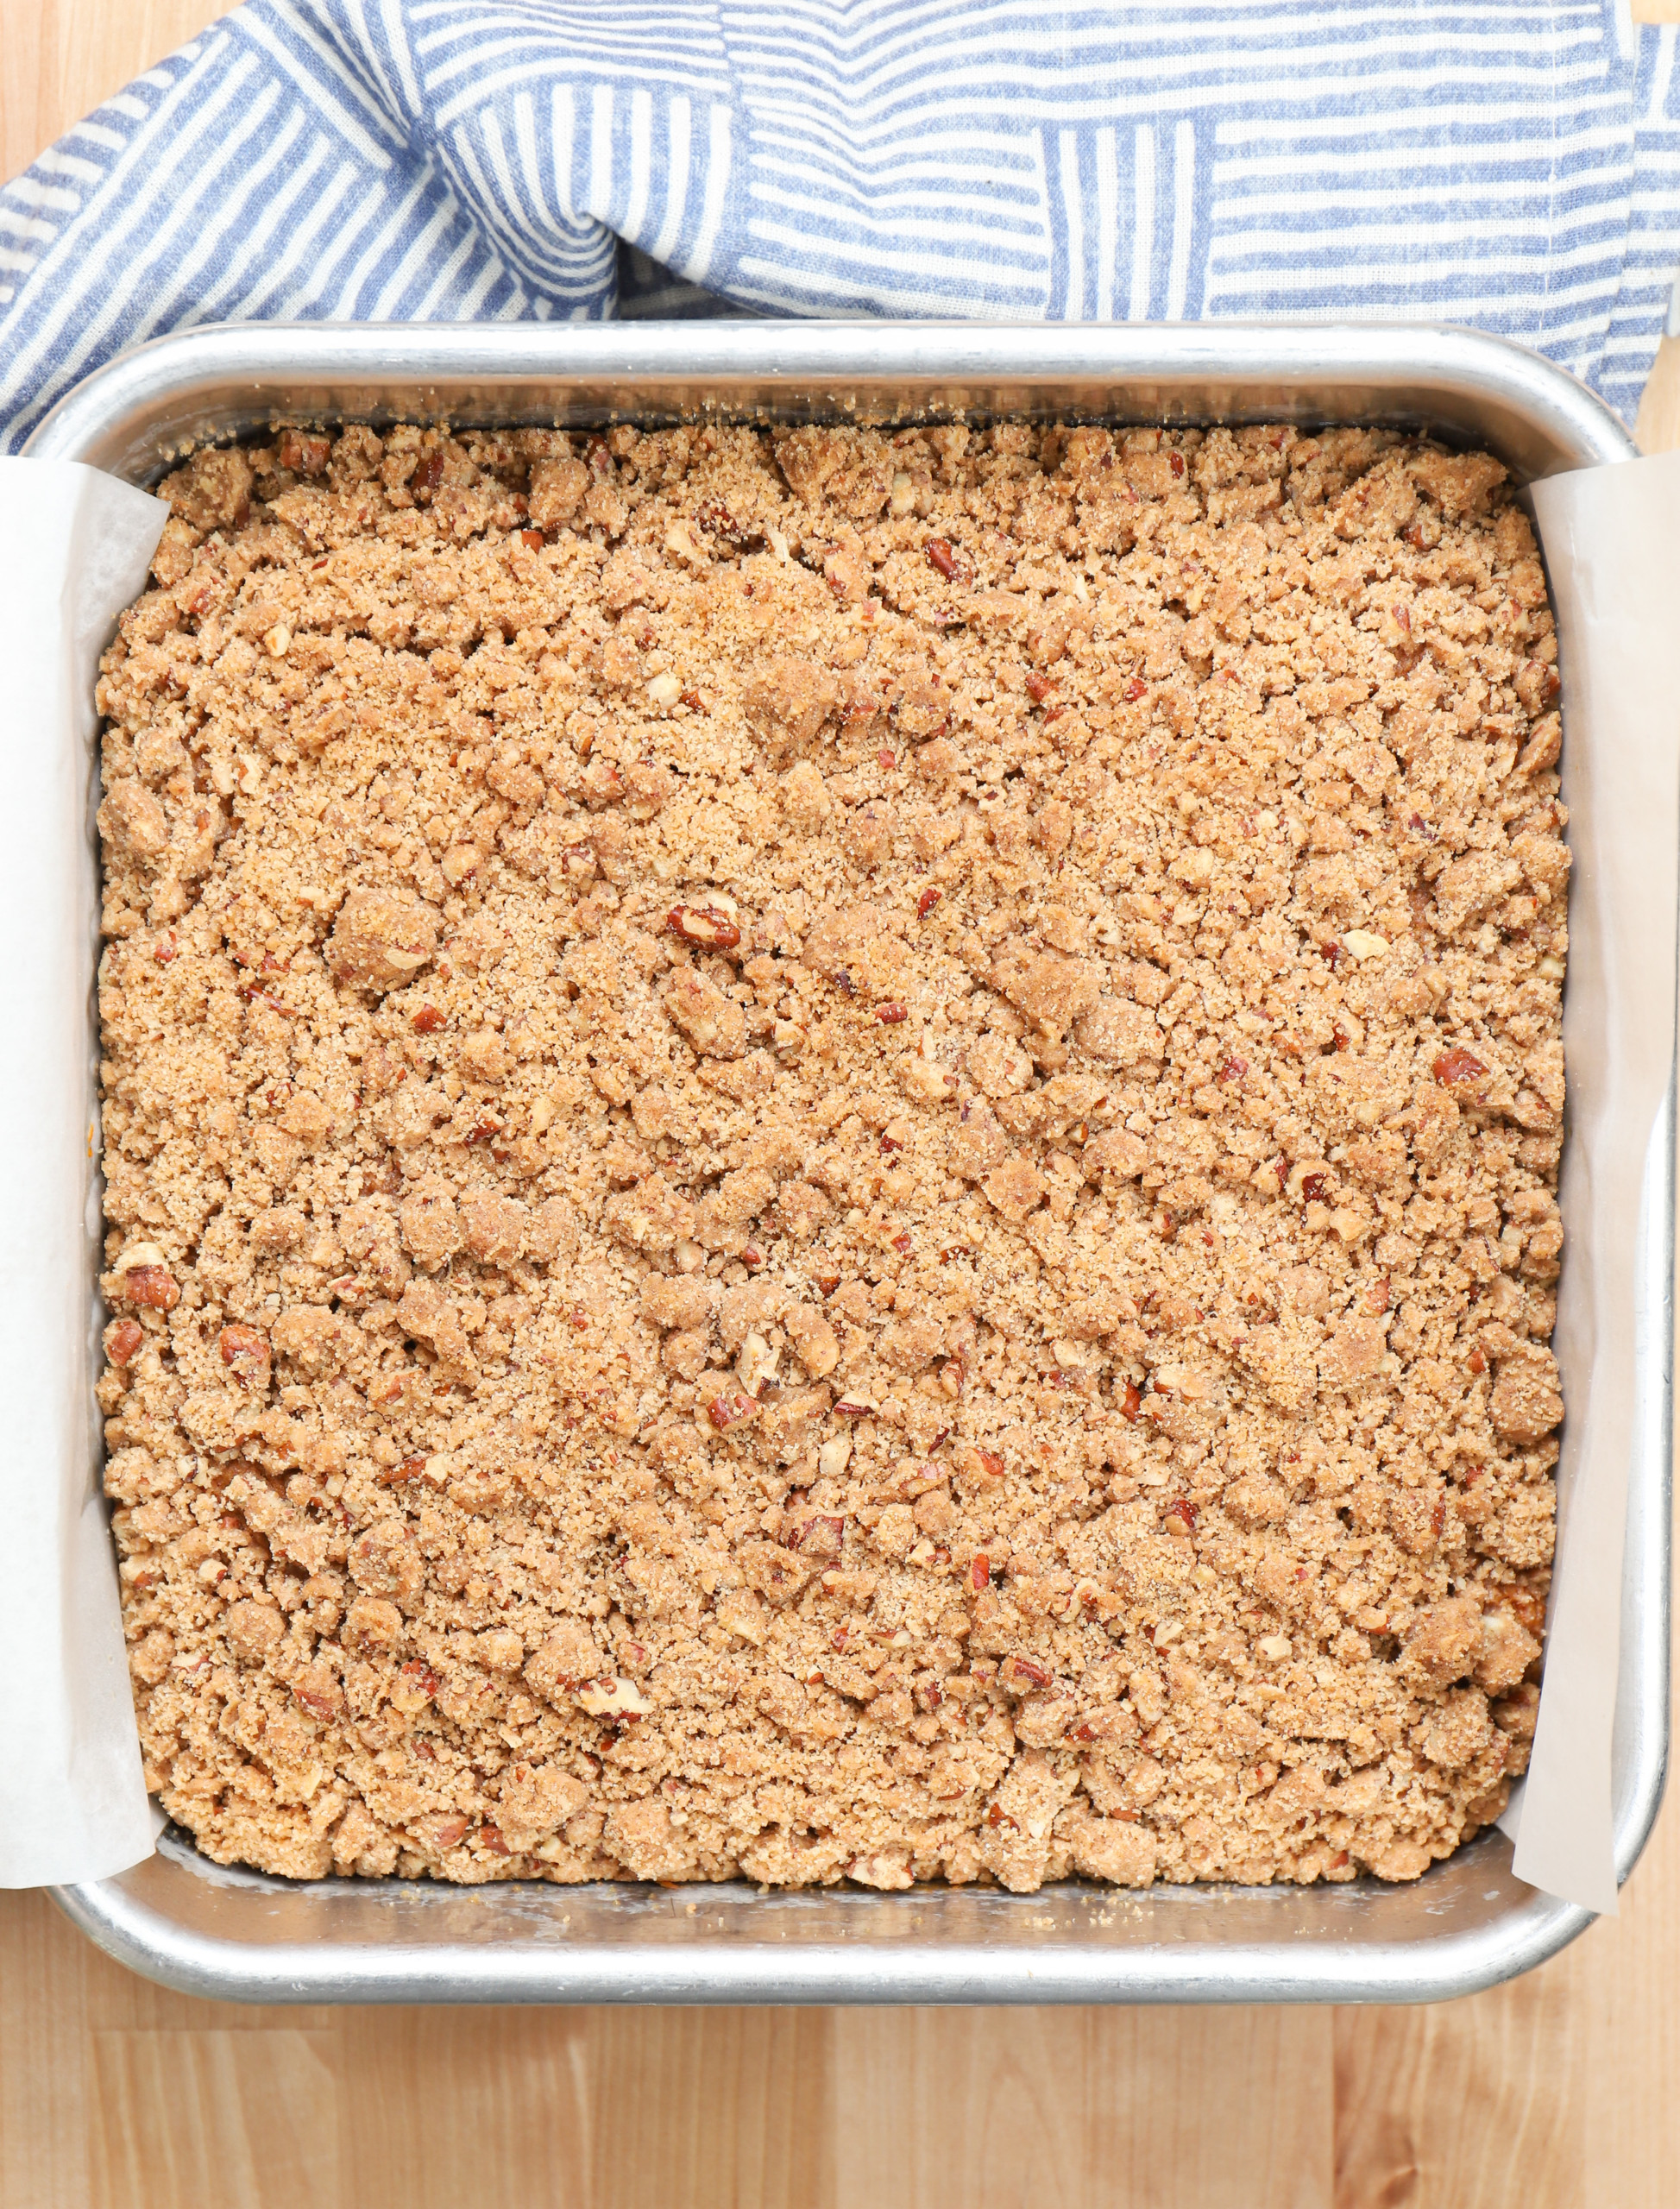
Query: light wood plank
1628, 2014
446, 2107
1659, 426
723, 2109
44, 2113
1086, 2109
1475, 2104
58, 59
204, 2114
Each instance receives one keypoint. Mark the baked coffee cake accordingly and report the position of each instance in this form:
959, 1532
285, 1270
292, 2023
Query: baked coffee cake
830, 1154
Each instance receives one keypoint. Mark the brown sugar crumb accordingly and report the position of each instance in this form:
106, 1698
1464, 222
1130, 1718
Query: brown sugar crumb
831, 1154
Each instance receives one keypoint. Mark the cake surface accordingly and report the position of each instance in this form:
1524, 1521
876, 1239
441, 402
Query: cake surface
830, 1154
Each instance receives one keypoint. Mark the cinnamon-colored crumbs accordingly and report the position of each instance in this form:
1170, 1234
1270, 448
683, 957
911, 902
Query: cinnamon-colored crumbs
831, 1154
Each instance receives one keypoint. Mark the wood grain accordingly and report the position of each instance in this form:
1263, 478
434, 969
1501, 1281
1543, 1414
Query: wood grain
1554, 2092
58, 59
1550, 2094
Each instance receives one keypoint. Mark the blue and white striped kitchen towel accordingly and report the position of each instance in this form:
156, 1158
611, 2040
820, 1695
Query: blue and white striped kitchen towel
1510, 163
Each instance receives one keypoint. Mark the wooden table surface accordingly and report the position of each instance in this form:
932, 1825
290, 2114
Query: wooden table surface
1554, 2092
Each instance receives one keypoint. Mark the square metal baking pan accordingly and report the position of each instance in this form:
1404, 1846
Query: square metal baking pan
1468, 1923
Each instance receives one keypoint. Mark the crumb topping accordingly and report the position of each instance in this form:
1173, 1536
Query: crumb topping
830, 1154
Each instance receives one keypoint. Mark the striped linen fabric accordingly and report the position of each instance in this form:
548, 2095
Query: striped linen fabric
1514, 164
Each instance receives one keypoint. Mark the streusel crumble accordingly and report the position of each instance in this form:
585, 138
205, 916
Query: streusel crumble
831, 1154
